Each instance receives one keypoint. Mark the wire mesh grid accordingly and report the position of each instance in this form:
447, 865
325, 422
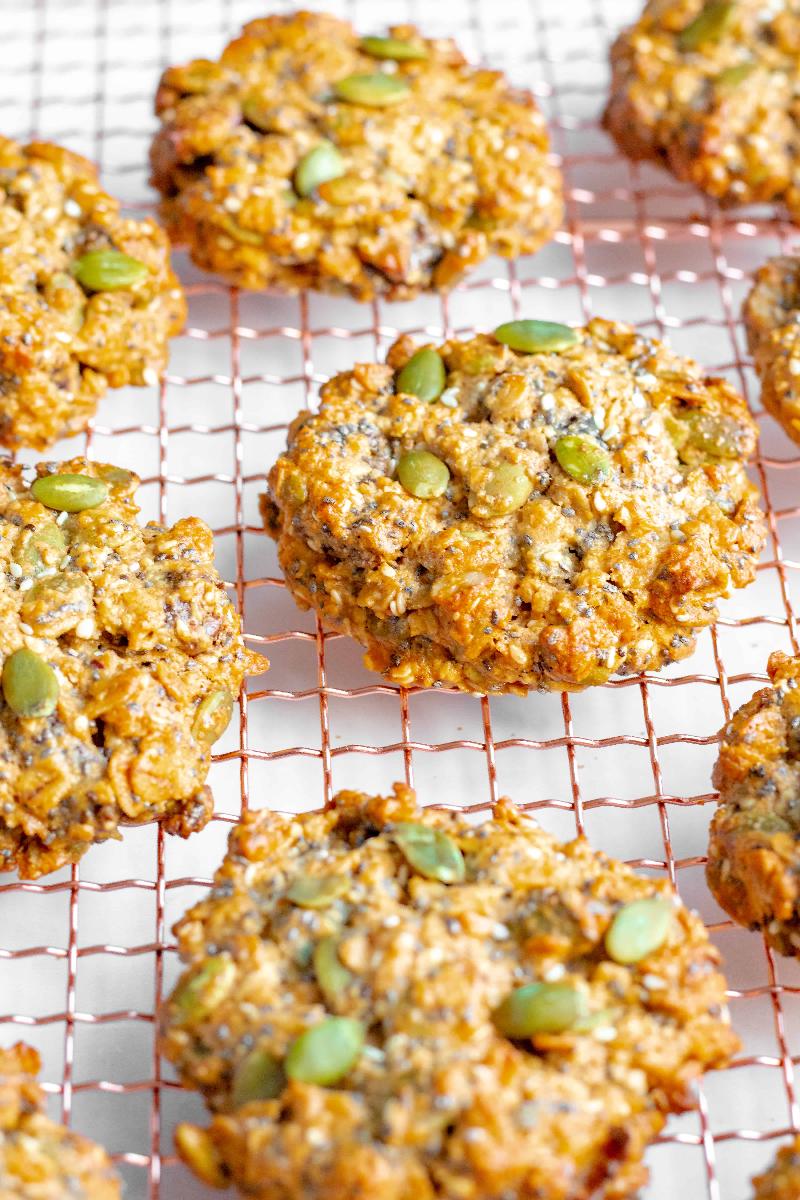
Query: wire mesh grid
86, 955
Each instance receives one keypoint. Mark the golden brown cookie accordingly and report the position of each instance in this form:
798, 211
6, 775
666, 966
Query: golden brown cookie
771, 316
707, 87
385, 1002
540, 519
754, 848
40, 1160
87, 297
121, 659
309, 158
782, 1180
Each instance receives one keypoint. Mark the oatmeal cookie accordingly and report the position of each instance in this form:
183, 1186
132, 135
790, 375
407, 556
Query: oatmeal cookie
771, 315
121, 657
754, 848
382, 1001
40, 1160
707, 87
782, 1180
87, 297
309, 158
496, 519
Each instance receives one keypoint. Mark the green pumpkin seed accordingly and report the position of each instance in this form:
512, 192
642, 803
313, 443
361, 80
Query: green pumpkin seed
422, 474
259, 1076
317, 891
198, 995
506, 490
733, 76
373, 91
430, 852
639, 929
716, 434
30, 685
69, 493
394, 48
213, 716
326, 1053
321, 164
536, 337
423, 376
708, 26
332, 975
45, 548
583, 458
108, 270
540, 1008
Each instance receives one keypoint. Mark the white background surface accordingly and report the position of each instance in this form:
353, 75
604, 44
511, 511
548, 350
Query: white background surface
82, 955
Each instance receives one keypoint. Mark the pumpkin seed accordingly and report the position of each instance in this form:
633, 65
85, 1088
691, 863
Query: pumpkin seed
198, 1151
540, 1008
199, 994
731, 77
332, 975
536, 337
317, 891
373, 91
583, 458
422, 474
423, 375
108, 270
394, 48
45, 548
708, 26
638, 929
430, 851
69, 493
213, 716
322, 163
30, 685
506, 490
259, 1076
324, 1054
257, 112
716, 434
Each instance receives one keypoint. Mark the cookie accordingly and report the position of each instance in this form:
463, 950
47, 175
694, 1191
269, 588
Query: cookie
121, 659
782, 1180
496, 519
383, 1001
87, 296
754, 841
383, 166
771, 316
40, 1160
707, 87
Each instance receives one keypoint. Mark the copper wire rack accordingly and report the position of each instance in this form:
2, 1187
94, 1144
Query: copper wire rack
87, 955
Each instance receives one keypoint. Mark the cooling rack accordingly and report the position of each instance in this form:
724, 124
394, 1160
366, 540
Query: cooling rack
86, 955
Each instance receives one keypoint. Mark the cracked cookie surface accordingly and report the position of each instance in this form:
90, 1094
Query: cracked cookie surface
771, 315
121, 659
754, 847
596, 508
708, 88
39, 1159
411, 183
406, 931
63, 342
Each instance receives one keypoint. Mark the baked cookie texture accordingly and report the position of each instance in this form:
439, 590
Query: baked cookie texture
40, 1160
62, 344
521, 574
707, 87
132, 655
782, 1180
754, 841
771, 315
274, 179
415, 926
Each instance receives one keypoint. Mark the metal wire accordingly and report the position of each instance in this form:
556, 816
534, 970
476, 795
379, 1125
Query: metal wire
88, 953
